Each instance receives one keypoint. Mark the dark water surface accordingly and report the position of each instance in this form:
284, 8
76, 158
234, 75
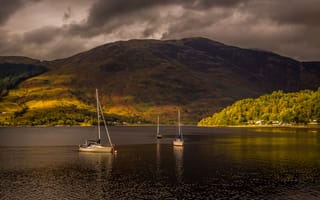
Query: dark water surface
215, 163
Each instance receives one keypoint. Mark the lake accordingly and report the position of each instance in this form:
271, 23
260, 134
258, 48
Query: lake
215, 163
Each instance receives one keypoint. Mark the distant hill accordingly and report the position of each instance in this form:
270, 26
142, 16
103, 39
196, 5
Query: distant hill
18, 60
139, 79
278, 108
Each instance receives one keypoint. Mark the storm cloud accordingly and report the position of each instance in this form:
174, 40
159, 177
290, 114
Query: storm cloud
288, 27
8, 8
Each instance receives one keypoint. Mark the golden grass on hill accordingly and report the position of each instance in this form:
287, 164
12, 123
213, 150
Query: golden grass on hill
41, 104
46, 90
121, 110
8, 107
47, 78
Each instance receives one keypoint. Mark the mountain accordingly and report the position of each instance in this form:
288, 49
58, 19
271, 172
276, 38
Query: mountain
139, 79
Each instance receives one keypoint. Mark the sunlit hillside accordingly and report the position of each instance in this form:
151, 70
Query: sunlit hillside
140, 79
277, 108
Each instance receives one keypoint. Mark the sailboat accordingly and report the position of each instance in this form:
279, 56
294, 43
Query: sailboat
159, 136
95, 145
178, 141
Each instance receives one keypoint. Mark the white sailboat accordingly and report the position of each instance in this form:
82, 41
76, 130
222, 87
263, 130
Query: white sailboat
95, 145
159, 136
178, 141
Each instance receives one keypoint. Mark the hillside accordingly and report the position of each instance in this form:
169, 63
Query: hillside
18, 60
12, 74
139, 79
277, 108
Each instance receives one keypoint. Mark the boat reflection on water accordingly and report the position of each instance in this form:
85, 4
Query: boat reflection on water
98, 167
158, 162
178, 155
101, 163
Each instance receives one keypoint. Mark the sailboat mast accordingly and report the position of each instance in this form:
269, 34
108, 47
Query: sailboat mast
105, 125
158, 126
98, 114
179, 128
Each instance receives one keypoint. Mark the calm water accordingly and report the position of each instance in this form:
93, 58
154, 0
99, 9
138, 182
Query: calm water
43, 163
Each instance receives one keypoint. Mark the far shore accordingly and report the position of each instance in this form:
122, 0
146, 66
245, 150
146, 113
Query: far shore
263, 126
194, 125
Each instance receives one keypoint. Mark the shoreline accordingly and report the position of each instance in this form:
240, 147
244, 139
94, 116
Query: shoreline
143, 125
263, 126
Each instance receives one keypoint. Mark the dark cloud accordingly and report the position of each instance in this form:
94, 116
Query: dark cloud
45, 43
207, 4
103, 12
67, 14
105, 16
298, 12
9, 8
42, 35
65, 46
288, 27
10, 44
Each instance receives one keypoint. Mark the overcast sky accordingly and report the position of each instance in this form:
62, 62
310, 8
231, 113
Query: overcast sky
52, 29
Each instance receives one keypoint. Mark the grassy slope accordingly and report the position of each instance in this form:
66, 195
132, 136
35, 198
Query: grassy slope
140, 79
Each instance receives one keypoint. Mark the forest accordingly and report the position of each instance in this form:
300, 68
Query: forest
277, 108
63, 116
12, 74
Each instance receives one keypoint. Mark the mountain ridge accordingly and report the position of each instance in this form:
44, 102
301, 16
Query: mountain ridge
143, 78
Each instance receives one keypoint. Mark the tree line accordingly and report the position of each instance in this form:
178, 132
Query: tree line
64, 116
12, 74
301, 107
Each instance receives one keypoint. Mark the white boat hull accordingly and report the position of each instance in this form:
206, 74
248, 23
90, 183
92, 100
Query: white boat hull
178, 142
96, 149
95, 146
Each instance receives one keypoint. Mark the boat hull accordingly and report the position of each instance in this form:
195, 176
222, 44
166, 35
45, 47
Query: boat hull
178, 142
96, 149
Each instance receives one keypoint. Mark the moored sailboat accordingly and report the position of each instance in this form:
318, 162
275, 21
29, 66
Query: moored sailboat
178, 141
95, 145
